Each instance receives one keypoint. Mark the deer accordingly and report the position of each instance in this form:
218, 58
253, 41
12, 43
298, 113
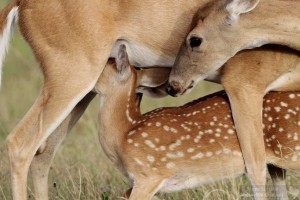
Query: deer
131, 139
78, 44
170, 149
219, 30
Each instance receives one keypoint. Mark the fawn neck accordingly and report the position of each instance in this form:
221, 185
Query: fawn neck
119, 113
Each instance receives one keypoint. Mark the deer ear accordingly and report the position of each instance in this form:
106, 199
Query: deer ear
122, 62
153, 77
237, 7
153, 92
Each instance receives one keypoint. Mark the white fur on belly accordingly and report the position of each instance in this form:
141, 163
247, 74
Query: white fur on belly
141, 56
190, 181
285, 79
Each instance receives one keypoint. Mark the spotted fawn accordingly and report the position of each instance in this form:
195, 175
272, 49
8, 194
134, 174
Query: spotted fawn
174, 148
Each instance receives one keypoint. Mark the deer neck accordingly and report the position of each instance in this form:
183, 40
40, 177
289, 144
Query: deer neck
276, 24
119, 113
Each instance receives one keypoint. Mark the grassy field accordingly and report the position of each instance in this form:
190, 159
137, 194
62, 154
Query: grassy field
81, 170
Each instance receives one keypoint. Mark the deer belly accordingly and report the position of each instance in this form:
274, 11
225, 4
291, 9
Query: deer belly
141, 56
194, 179
286, 82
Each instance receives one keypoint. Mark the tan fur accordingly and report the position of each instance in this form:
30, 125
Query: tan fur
4, 14
74, 39
246, 78
175, 148
41, 162
224, 34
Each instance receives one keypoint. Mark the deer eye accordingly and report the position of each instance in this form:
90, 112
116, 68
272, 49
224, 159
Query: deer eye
195, 42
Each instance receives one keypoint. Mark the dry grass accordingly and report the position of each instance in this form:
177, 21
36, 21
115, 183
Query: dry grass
80, 169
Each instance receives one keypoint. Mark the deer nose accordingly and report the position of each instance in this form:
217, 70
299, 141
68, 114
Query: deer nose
172, 90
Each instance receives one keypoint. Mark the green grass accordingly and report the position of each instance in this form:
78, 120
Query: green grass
80, 169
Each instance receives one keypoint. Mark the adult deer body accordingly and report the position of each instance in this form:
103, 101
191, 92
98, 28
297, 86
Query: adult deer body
73, 41
219, 30
175, 148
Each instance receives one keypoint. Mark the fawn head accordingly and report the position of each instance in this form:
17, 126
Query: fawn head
118, 76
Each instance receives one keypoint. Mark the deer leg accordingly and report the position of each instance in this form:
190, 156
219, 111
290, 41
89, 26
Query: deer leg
246, 104
279, 181
67, 81
145, 189
41, 162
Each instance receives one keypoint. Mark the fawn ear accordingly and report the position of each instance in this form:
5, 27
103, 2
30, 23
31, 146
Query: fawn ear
237, 7
153, 77
153, 81
153, 92
122, 62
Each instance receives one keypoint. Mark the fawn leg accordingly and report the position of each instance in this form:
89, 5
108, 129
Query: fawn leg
145, 189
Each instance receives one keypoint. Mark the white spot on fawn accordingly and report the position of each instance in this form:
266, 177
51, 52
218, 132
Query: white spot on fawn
277, 109
292, 96
166, 128
150, 144
170, 165
144, 134
296, 136
162, 148
173, 130
150, 158
197, 156
287, 116
130, 141
280, 129
209, 154
131, 132
139, 162
190, 150
283, 104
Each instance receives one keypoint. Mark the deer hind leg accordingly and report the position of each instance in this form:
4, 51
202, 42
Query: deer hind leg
145, 188
41, 162
278, 176
67, 81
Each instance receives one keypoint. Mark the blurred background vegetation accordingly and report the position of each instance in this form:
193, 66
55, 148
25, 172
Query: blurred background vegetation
80, 169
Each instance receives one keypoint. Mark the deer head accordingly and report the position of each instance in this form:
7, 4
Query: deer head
216, 36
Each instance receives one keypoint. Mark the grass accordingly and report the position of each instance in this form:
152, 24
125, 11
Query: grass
81, 170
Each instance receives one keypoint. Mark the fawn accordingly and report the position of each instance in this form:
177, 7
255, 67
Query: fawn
170, 149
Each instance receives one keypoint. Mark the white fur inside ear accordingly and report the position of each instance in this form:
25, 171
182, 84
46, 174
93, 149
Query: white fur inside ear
125, 73
237, 7
153, 77
148, 81
158, 92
